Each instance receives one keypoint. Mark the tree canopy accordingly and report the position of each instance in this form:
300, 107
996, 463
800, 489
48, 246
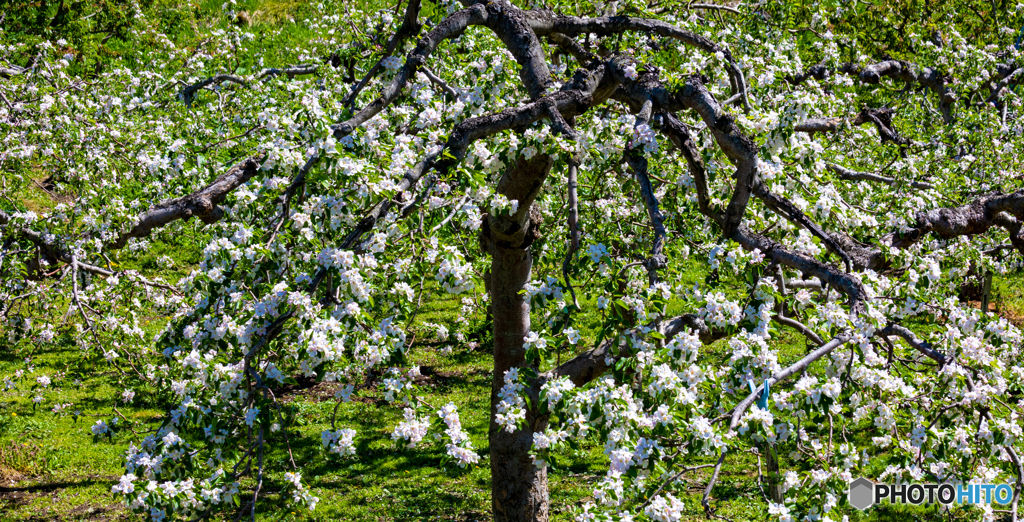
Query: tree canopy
608, 188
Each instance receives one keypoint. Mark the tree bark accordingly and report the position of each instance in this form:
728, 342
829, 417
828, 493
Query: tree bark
519, 489
771, 460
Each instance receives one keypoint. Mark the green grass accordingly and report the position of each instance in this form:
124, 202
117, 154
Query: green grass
69, 473
54, 469
51, 469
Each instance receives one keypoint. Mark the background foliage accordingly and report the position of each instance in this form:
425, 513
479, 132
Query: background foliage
50, 464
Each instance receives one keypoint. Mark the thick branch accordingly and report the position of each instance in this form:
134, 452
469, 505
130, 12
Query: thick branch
440, 83
739, 148
592, 363
799, 327
680, 137
844, 282
189, 93
291, 72
913, 341
852, 175
588, 88
545, 22
971, 219
781, 375
451, 27
638, 163
881, 118
7, 72
410, 26
511, 25
789, 211
582, 56
927, 77
818, 72
202, 204
574, 227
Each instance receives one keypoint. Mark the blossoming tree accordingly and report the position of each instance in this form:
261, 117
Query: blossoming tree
553, 163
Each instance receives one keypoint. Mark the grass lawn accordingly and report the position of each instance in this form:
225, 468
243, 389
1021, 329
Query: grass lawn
51, 468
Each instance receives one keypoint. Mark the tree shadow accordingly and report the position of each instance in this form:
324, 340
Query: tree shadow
46, 487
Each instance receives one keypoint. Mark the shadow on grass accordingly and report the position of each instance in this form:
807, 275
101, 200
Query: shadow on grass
45, 487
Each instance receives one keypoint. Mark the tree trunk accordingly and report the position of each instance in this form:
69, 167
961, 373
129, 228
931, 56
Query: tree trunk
519, 490
774, 477
986, 292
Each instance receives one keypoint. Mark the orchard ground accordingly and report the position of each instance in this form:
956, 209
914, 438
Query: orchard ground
52, 469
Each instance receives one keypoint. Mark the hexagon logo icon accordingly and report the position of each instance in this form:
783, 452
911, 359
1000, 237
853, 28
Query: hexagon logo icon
862, 493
